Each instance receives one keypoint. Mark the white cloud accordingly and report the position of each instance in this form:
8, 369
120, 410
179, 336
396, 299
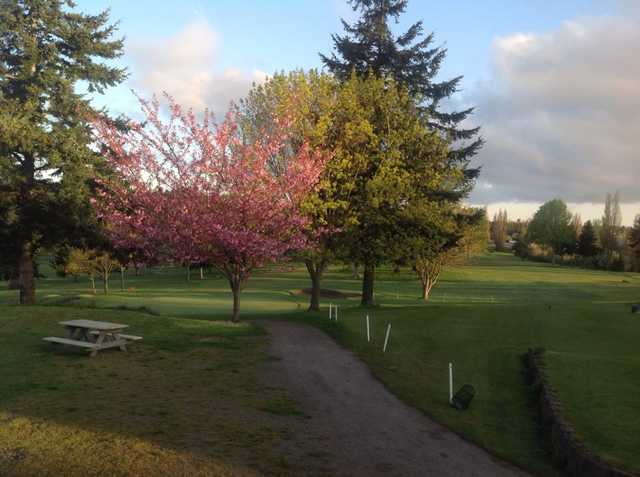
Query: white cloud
184, 65
561, 114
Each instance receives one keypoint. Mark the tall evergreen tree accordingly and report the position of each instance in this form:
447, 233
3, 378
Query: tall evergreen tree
46, 49
633, 243
413, 61
588, 242
392, 171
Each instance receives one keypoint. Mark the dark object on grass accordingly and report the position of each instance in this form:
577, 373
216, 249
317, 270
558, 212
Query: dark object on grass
463, 397
635, 308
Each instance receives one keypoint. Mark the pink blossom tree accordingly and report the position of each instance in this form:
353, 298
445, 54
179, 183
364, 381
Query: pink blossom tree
191, 191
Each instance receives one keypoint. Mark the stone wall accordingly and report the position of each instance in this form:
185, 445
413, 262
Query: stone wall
568, 451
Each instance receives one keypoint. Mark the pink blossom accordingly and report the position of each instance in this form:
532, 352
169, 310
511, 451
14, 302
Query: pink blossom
191, 191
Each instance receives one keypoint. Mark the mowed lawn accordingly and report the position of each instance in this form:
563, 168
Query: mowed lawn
185, 401
481, 317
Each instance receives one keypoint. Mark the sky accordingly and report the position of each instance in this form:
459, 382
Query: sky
554, 83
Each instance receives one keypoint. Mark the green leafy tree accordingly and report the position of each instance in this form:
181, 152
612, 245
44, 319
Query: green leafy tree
551, 227
588, 241
389, 175
391, 170
413, 61
454, 242
92, 263
309, 100
46, 50
79, 262
475, 240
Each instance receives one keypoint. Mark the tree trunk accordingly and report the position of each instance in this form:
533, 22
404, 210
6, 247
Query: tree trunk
235, 288
105, 283
354, 271
93, 284
122, 278
188, 273
201, 273
367, 285
26, 281
427, 285
429, 276
315, 273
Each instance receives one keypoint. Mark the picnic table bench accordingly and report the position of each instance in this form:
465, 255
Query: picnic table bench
94, 336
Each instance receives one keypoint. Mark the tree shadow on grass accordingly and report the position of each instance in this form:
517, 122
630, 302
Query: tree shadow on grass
185, 401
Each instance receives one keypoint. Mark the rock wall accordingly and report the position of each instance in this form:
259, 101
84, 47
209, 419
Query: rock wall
568, 452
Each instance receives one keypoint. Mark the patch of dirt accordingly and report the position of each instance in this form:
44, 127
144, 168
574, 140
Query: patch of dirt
326, 293
365, 429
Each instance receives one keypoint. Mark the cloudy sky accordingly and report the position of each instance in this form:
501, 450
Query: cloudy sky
555, 84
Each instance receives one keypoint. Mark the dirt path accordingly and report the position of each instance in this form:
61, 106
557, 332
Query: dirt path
366, 430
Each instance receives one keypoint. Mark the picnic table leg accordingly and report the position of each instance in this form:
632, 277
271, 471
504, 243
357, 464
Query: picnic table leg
98, 342
116, 337
106, 336
123, 346
72, 332
81, 334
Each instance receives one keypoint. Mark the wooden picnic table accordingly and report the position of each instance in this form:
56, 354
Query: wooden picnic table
94, 335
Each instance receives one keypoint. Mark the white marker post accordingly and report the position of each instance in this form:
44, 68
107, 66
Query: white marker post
450, 382
368, 331
336, 313
386, 338
330, 305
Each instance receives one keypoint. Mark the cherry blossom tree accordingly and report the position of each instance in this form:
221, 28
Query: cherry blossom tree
191, 191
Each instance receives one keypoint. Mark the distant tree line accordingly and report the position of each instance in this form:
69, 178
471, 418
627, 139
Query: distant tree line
554, 234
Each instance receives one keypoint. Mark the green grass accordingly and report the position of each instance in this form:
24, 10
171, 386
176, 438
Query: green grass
481, 317
184, 401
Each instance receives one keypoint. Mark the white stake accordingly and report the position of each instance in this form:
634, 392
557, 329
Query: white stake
368, 331
386, 338
330, 305
450, 382
336, 312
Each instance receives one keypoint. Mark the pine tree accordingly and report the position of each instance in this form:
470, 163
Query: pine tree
413, 61
46, 49
587, 242
633, 242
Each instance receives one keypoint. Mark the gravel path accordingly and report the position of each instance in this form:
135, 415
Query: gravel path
366, 429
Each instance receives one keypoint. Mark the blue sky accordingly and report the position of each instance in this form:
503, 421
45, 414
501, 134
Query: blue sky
554, 82
274, 35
